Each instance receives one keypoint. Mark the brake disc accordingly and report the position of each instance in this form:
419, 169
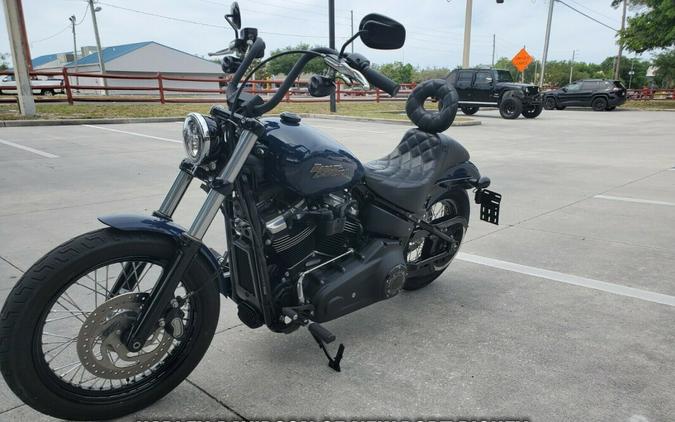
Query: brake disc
100, 348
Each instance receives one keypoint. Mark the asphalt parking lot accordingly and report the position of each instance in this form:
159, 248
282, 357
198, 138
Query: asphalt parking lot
566, 311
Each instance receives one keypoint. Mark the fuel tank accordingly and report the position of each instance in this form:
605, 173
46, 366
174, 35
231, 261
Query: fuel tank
307, 161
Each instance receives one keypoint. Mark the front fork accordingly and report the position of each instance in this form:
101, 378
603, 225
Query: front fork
190, 241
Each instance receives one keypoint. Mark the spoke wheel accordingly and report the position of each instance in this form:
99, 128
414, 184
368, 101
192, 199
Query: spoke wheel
423, 246
64, 321
81, 333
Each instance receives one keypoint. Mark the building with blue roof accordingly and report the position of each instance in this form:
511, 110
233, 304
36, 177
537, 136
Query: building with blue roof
142, 58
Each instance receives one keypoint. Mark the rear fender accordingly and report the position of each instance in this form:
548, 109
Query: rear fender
463, 176
150, 223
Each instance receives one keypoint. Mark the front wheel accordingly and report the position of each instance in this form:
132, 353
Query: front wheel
510, 108
61, 326
427, 255
532, 111
550, 103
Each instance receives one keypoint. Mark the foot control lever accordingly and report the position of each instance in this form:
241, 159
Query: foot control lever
323, 337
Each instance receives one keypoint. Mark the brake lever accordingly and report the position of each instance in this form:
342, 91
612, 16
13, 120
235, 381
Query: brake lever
346, 71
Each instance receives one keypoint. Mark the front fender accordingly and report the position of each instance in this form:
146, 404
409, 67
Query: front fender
150, 223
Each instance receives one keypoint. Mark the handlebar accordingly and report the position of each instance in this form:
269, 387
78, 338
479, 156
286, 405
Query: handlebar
373, 76
381, 81
354, 60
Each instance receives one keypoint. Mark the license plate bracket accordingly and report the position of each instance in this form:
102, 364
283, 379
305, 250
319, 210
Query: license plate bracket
489, 205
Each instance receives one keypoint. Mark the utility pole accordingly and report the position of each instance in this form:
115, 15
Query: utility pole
18, 45
467, 34
572, 65
617, 63
331, 43
351, 14
493, 50
101, 63
546, 39
631, 73
72, 20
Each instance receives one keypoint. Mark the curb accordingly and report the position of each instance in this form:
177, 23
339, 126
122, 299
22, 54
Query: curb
60, 122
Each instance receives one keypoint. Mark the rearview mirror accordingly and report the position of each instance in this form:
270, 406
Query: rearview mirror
381, 33
234, 17
564, 89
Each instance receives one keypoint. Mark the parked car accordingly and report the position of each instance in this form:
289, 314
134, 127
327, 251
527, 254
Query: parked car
600, 94
40, 86
495, 88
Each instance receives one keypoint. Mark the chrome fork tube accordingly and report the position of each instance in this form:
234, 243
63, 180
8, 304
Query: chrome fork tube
175, 194
215, 199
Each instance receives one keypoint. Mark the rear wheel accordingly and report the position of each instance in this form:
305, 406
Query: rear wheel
61, 326
599, 104
532, 111
47, 92
469, 110
560, 107
610, 108
427, 255
510, 108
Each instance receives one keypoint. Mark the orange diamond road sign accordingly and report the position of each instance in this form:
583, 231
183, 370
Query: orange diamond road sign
521, 60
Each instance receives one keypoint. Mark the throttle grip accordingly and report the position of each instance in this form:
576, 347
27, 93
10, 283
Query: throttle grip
381, 81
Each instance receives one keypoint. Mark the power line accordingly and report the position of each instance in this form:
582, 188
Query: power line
591, 10
588, 16
67, 27
173, 18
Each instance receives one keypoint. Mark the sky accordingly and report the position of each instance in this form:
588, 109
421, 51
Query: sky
434, 27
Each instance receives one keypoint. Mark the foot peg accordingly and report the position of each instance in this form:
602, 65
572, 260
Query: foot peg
323, 337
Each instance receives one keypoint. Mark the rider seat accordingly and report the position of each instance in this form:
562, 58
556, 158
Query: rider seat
407, 176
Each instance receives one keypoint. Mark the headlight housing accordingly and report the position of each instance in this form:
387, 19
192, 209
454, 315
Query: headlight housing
200, 137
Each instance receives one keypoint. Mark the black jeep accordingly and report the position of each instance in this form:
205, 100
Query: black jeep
495, 88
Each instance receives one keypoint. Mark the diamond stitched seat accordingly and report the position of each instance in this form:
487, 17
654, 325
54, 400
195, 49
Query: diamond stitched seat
406, 176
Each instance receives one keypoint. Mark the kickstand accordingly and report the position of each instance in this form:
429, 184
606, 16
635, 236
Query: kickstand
333, 362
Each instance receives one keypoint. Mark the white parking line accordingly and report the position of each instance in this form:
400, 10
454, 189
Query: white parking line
639, 201
590, 283
135, 134
29, 149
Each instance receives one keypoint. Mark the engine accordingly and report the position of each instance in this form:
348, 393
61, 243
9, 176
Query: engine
302, 233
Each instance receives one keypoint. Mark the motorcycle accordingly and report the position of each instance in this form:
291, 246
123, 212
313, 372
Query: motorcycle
112, 320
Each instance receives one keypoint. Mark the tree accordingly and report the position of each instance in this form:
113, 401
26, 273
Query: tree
665, 73
3, 61
284, 64
420, 74
651, 28
399, 72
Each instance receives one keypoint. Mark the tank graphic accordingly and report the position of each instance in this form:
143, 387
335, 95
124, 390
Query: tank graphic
307, 161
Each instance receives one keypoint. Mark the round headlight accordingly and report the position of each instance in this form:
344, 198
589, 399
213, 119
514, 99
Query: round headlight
196, 138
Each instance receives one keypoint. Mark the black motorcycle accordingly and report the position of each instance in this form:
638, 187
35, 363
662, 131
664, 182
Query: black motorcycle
112, 320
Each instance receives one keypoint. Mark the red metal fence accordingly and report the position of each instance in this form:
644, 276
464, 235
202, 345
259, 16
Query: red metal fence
158, 91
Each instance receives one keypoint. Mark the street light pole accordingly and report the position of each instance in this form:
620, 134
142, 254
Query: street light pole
101, 63
572, 65
493, 49
546, 39
18, 43
331, 43
72, 20
351, 14
467, 34
617, 63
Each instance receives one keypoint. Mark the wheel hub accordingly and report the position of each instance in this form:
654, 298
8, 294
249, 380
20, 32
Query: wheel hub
101, 349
